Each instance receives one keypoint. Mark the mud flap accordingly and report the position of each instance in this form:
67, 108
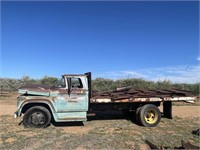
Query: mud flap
167, 109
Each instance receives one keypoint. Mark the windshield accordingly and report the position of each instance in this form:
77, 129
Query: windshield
61, 83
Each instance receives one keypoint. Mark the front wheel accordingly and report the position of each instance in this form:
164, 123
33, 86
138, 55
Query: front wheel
37, 117
149, 115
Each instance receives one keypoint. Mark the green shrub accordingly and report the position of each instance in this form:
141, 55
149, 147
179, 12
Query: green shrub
101, 84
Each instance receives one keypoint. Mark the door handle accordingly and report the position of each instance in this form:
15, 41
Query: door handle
72, 101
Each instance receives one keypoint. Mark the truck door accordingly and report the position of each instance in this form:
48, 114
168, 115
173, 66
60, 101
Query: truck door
75, 98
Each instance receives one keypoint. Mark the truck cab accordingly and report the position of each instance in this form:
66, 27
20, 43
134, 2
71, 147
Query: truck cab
66, 101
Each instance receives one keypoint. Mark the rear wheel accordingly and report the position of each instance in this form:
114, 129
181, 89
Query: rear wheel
37, 117
137, 114
149, 115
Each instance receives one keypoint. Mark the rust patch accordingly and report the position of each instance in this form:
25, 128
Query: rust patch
127, 94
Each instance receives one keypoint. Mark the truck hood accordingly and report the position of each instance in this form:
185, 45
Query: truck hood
35, 89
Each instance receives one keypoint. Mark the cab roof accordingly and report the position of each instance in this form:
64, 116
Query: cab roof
71, 75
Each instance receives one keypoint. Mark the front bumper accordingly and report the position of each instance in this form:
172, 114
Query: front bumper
16, 114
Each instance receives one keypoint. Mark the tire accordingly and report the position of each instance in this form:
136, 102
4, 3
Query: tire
149, 115
137, 117
37, 117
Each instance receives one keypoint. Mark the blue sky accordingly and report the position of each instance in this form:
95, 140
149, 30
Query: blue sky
152, 40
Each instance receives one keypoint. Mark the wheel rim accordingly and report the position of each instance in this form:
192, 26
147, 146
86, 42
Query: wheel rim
37, 119
151, 116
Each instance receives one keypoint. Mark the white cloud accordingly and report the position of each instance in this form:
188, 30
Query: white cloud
176, 74
187, 74
198, 58
120, 75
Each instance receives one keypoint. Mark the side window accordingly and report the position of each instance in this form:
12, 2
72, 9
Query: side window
76, 83
61, 83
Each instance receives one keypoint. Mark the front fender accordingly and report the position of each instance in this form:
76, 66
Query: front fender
35, 102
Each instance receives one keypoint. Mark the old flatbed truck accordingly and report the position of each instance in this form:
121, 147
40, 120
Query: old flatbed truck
72, 98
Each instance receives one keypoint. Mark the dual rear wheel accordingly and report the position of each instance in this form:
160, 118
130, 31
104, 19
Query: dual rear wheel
148, 115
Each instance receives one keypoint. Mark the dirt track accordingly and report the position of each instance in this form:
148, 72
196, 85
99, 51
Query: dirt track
185, 111
7, 109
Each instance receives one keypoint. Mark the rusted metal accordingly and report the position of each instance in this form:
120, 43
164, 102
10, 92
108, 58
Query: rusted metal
127, 94
124, 88
184, 145
151, 145
188, 145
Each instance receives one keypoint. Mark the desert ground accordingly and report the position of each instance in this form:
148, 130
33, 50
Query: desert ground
103, 130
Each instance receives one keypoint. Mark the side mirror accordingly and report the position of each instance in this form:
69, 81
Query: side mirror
52, 87
69, 83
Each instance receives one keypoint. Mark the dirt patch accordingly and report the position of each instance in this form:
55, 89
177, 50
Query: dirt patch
75, 130
144, 147
80, 148
7, 109
185, 111
32, 134
10, 140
